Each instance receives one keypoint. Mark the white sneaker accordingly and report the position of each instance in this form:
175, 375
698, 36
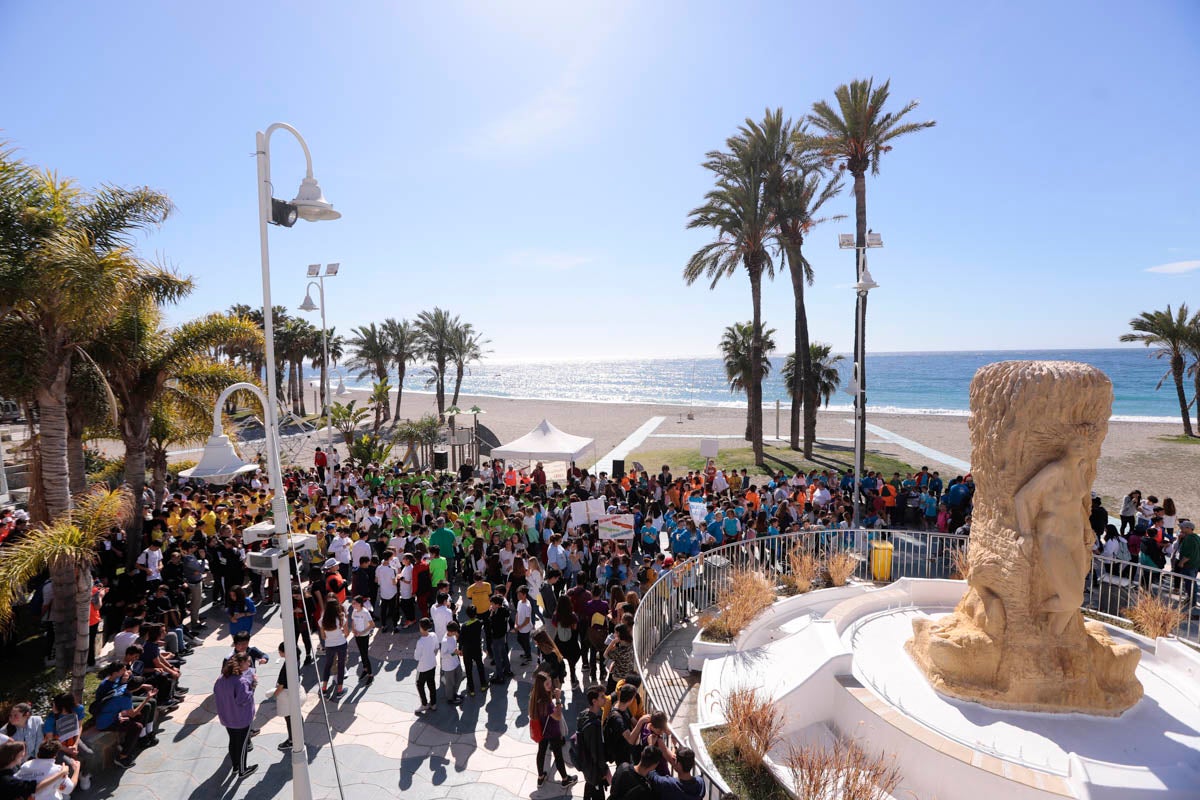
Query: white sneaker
85, 782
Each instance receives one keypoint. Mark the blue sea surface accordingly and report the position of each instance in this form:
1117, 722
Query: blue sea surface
903, 383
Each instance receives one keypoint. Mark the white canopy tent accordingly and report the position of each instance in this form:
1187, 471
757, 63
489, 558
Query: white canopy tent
545, 443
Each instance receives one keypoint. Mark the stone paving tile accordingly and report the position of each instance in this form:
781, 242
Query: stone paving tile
480, 751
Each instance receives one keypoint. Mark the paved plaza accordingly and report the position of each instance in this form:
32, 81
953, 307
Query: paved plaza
478, 751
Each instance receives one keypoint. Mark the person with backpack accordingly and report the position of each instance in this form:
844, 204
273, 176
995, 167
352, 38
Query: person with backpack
547, 728
632, 781
587, 746
623, 736
498, 627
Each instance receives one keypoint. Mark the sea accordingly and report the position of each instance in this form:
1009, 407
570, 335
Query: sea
901, 383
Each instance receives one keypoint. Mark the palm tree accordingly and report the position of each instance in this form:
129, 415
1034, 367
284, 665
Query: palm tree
379, 404
71, 269
795, 189
90, 408
372, 354
143, 361
335, 347
824, 380
67, 547
1193, 347
174, 420
855, 136
736, 345
404, 346
1170, 334
737, 211
346, 419
436, 331
466, 347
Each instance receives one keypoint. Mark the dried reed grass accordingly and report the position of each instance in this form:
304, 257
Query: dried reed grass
746, 594
845, 772
803, 570
1154, 617
840, 567
753, 726
960, 558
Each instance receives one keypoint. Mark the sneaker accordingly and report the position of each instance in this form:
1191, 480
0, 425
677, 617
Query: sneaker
341, 690
308, 659
569, 781
85, 782
368, 678
180, 691
472, 693
541, 780
250, 770
148, 741
285, 745
255, 731
124, 762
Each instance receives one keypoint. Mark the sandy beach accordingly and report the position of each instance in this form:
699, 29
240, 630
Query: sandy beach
1135, 456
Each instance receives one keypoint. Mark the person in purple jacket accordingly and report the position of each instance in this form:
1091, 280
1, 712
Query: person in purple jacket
234, 696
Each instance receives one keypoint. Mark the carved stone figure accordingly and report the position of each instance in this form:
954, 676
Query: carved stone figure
1017, 638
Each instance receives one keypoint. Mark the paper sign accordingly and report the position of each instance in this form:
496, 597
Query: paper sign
616, 526
709, 448
698, 511
585, 511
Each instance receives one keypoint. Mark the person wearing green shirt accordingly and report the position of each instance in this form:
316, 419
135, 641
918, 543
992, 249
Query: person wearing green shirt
444, 539
438, 565
1189, 559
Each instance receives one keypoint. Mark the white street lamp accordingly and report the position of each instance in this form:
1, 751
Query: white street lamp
309, 204
864, 284
314, 271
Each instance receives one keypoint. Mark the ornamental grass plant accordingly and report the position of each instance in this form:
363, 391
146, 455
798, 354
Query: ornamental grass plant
843, 772
803, 570
1154, 617
743, 598
753, 726
840, 566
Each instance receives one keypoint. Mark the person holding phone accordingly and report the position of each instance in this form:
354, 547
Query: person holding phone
546, 714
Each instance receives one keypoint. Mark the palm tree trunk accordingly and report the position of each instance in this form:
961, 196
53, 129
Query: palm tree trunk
754, 390
802, 371
82, 607
135, 434
52, 444
381, 375
62, 577
75, 462
860, 239
1177, 373
401, 368
1196, 393
158, 475
300, 386
811, 403
458, 376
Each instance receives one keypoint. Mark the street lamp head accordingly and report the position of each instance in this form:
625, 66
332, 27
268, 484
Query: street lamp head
314, 270
845, 240
282, 213
341, 390
219, 463
308, 304
332, 269
865, 283
311, 204
874, 239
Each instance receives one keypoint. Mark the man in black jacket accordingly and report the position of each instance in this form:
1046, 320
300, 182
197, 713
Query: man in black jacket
470, 641
590, 752
499, 623
631, 781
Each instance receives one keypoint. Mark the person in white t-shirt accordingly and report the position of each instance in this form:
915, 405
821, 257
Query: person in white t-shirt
451, 658
44, 766
426, 653
150, 564
442, 615
523, 623
361, 625
404, 583
386, 576
360, 550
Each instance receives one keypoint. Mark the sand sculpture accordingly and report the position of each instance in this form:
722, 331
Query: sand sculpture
1017, 638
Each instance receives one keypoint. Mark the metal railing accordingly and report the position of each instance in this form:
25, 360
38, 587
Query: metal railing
693, 586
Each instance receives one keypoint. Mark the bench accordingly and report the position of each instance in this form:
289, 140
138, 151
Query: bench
105, 746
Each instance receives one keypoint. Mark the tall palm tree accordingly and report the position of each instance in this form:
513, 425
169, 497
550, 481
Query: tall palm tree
404, 346
796, 189
736, 210
372, 354
379, 403
175, 419
466, 347
90, 405
1169, 334
1193, 347
67, 547
335, 348
71, 268
855, 135
824, 380
737, 343
436, 331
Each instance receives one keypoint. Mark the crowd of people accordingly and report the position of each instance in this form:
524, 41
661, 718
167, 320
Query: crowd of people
1151, 534
478, 568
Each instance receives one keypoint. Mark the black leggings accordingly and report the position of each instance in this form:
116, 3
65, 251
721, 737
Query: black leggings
238, 737
555, 746
364, 654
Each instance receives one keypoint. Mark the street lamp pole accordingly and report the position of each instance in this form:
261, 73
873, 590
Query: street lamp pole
314, 271
863, 285
310, 205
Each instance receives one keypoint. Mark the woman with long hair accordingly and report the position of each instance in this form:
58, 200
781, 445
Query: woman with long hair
335, 633
241, 611
566, 623
1170, 517
550, 658
233, 694
549, 729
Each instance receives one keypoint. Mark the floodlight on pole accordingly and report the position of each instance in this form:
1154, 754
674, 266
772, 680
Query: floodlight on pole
314, 271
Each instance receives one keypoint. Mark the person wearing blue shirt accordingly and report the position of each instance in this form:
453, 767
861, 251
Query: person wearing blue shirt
935, 485
649, 539
685, 543
715, 530
847, 482
730, 527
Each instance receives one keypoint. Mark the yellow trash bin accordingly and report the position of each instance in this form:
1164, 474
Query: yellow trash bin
881, 560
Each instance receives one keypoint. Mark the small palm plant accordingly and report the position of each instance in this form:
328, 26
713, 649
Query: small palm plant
67, 547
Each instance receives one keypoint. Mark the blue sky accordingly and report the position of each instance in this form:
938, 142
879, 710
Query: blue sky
530, 165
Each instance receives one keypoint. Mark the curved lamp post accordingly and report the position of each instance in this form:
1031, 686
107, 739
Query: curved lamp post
314, 271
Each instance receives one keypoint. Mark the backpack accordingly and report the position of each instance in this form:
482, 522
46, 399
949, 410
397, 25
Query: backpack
616, 749
1123, 553
97, 704
581, 758
598, 630
536, 730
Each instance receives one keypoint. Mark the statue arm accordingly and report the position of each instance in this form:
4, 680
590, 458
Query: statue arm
1032, 497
